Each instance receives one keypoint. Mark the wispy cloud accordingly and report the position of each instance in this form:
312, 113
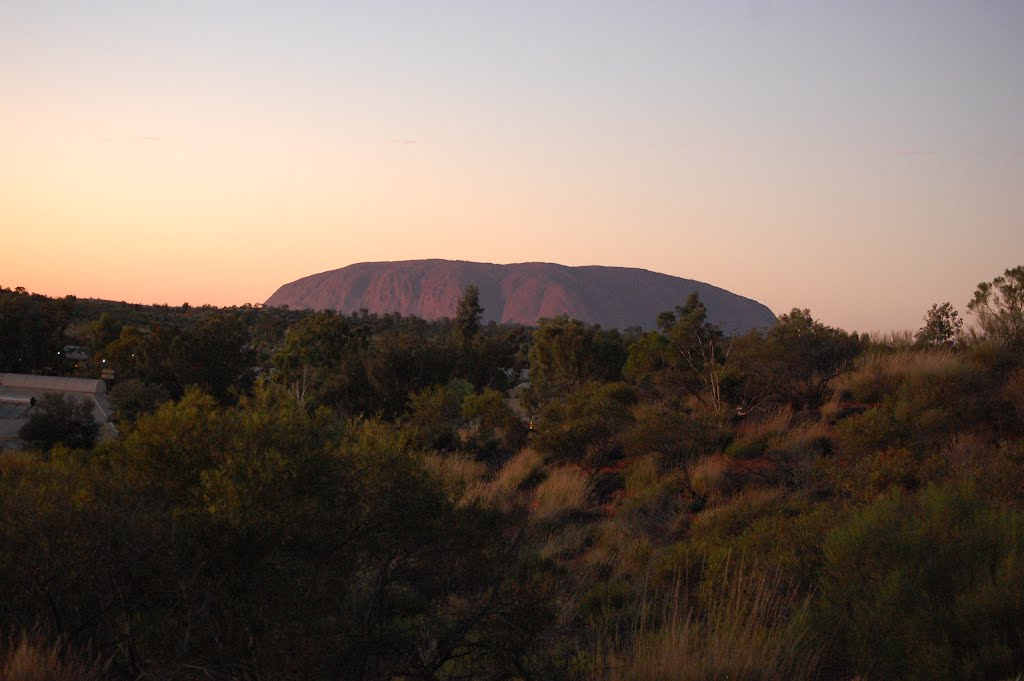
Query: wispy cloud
909, 151
132, 139
402, 140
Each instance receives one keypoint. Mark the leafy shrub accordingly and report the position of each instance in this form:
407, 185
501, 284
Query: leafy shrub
494, 423
1013, 392
133, 398
680, 438
763, 528
435, 414
60, 419
927, 586
927, 408
583, 426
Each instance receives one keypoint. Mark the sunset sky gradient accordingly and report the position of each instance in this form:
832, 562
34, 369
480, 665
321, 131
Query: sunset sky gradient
863, 159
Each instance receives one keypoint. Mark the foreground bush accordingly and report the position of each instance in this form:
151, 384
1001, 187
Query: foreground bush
929, 586
258, 541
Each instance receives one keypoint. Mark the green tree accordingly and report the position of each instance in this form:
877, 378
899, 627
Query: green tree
566, 353
215, 356
685, 358
133, 397
792, 363
103, 332
469, 314
999, 307
942, 324
60, 419
321, 362
401, 361
32, 329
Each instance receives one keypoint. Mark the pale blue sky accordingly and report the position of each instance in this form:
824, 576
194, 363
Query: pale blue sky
863, 159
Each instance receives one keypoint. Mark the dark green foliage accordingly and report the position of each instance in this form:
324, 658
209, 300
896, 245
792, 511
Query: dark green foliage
684, 359
132, 398
942, 325
495, 426
214, 355
32, 331
999, 307
680, 438
924, 412
567, 353
774, 531
103, 332
749, 446
929, 586
583, 426
468, 314
60, 419
264, 542
792, 363
435, 414
320, 362
402, 361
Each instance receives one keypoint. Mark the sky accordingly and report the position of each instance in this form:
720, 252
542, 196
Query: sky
861, 159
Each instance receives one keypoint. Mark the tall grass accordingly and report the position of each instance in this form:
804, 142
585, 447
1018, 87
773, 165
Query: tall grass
565, 491
880, 373
28, 658
752, 440
903, 338
708, 476
519, 470
756, 629
507, 489
459, 474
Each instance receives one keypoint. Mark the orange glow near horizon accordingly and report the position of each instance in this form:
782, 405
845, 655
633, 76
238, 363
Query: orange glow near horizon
149, 161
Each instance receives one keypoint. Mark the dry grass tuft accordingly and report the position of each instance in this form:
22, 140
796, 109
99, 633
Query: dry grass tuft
28, 658
832, 409
15, 462
619, 549
517, 471
772, 423
709, 477
752, 440
460, 475
804, 436
902, 339
565, 491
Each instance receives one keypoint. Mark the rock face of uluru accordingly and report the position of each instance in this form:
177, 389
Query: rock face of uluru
614, 297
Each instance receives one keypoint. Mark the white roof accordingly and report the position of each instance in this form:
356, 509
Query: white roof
62, 384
